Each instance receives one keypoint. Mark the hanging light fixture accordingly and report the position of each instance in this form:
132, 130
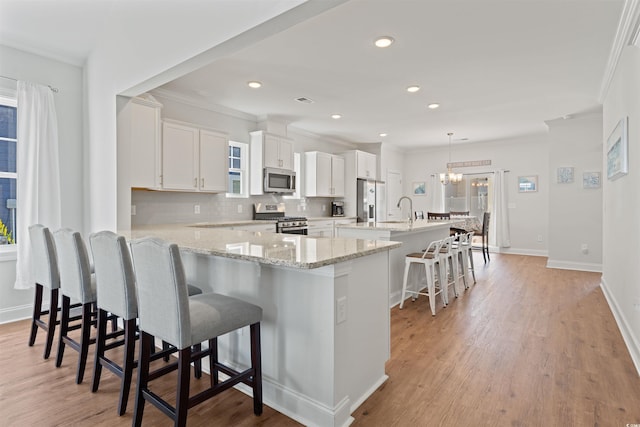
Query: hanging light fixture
450, 177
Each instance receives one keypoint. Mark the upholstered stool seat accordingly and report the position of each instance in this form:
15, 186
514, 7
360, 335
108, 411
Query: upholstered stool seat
167, 312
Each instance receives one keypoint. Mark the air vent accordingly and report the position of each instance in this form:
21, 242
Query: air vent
305, 100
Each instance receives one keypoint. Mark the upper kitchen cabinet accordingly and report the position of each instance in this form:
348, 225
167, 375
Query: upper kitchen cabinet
324, 175
193, 159
365, 164
271, 151
268, 151
139, 129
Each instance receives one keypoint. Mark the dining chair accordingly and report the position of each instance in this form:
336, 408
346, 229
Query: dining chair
428, 259
77, 283
167, 312
484, 232
419, 214
438, 215
459, 213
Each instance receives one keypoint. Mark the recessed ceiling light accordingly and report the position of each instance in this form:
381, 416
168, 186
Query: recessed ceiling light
383, 135
413, 89
384, 41
336, 116
254, 84
433, 106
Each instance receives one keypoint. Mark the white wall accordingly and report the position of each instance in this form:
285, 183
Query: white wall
68, 79
621, 232
575, 213
527, 155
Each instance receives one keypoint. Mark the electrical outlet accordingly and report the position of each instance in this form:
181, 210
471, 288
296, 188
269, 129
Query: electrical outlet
133, 210
539, 237
324, 208
584, 248
239, 208
341, 310
196, 209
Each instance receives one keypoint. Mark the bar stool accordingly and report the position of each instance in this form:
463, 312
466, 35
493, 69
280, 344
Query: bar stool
448, 268
46, 275
465, 257
116, 294
165, 311
77, 283
429, 258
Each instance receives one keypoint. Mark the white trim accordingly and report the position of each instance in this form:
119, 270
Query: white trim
14, 314
522, 251
626, 34
209, 106
625, 329
8, 253
572, 265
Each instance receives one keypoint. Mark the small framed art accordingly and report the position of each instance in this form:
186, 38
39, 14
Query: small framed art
419, 189
565, 175
528, 184
591, 180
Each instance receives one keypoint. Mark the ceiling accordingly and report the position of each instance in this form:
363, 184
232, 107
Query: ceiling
498, 69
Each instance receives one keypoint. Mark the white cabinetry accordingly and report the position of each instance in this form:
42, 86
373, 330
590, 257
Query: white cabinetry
366, 165
193, 159
268, 151
139, 129
324, 175
262, 227
320, 228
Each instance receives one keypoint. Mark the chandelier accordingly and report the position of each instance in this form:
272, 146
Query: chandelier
450, 177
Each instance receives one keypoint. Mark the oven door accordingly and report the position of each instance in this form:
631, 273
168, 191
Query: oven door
294, 230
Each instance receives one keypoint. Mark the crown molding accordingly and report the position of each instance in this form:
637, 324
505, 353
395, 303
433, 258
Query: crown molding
199, 103
627, 34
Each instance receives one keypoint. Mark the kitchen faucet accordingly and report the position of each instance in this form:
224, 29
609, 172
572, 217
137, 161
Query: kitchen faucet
410, 207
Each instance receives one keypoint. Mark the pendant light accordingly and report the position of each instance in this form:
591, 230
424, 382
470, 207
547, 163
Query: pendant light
450, 177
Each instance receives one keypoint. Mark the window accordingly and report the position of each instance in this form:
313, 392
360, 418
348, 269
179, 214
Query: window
238, 177
8, 175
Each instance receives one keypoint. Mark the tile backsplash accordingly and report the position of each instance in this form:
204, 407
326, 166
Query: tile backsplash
164, 207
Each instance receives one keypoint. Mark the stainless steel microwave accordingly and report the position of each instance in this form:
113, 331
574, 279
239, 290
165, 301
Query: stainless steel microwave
279, 180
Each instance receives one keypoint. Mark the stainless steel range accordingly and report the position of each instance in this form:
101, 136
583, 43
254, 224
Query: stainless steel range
284, 224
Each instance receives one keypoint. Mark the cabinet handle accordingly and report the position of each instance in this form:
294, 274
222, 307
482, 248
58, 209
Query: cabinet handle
195, 182
202, 182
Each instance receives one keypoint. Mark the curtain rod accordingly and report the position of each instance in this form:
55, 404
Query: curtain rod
53, 89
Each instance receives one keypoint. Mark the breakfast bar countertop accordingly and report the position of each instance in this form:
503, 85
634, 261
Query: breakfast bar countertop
289, 250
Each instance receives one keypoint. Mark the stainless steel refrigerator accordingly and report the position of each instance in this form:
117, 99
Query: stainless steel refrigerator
371, 201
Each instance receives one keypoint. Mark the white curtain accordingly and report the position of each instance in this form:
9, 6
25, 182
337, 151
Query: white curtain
38, 168
435, 197
499, 226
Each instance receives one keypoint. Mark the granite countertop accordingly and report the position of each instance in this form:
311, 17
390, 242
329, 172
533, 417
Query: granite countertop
403, 226
289, 250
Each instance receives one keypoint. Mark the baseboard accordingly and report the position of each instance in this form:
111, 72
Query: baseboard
13, 314
524, 251
571, 265
627, 333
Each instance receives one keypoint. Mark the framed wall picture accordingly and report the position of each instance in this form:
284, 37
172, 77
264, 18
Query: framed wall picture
591, 180
617, 151
419, 188
528, 184
565, 175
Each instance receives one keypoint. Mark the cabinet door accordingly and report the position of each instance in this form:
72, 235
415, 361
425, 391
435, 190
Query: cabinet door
144, 139
179, 157
337, 176
285, 154
366, 165
213, 161
270, 152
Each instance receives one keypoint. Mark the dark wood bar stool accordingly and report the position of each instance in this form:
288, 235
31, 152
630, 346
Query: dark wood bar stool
167, 312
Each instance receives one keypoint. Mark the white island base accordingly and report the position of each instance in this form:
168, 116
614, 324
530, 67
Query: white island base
325, 331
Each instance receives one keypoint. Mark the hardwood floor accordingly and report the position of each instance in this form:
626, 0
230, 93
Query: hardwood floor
525, 346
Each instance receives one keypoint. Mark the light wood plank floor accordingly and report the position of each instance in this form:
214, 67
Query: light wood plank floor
525, 346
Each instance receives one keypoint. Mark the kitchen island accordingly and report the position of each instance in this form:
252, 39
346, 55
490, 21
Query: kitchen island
325, 328
415, 237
